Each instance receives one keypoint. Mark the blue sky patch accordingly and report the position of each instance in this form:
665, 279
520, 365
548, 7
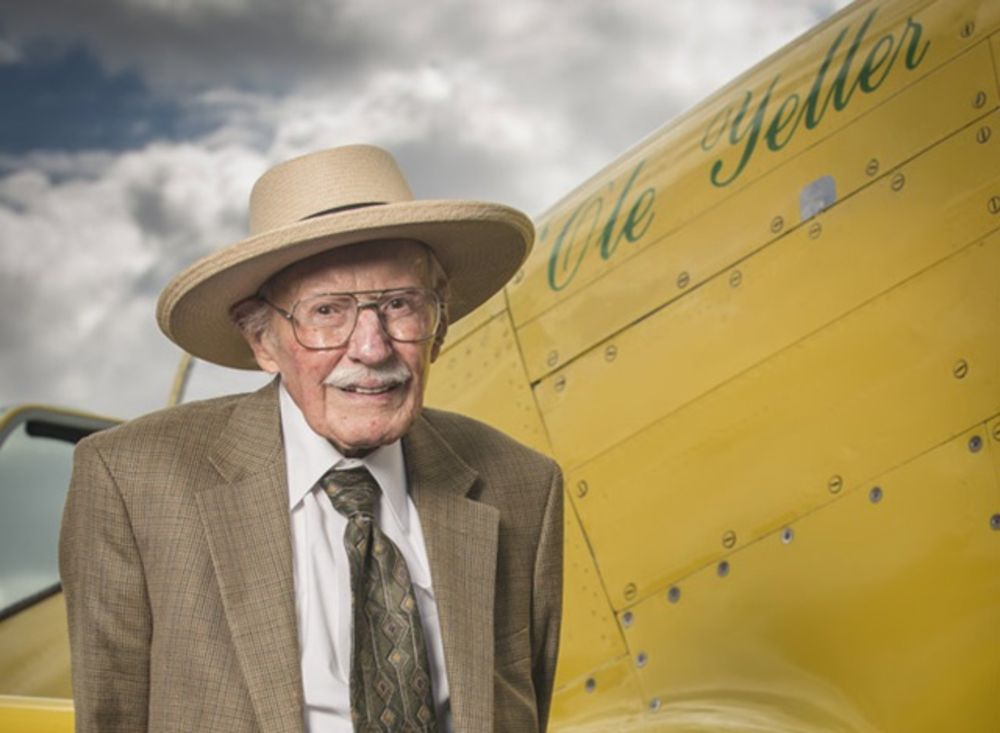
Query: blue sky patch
71, 103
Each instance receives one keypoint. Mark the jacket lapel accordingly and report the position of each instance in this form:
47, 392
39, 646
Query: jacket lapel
246, 520
461, 537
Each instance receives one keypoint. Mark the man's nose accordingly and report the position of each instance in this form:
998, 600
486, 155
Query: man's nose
369, 343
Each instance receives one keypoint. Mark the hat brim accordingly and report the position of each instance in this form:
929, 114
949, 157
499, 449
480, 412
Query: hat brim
479, 245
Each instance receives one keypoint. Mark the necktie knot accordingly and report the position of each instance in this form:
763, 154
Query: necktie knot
352, 491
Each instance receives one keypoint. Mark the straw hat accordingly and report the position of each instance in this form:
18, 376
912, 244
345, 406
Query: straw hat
330, 199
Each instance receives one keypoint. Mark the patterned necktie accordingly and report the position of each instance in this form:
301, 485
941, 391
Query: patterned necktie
390, 675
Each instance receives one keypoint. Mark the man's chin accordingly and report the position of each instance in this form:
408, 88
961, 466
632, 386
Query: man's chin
358, 443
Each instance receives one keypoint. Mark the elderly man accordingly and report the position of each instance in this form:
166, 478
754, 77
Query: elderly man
324, 554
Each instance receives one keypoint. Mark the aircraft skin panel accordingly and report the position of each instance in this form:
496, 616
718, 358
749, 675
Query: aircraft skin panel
607, 699
20, 714
993, 430
917, 214
714, 364
36, 651
472, 322
484, 363
681, 158
591, 635
777, 635
861, 156
852, 401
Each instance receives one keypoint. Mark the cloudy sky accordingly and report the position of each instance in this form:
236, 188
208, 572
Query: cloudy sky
132, 131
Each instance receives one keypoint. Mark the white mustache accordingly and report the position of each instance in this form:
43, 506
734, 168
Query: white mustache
383, 376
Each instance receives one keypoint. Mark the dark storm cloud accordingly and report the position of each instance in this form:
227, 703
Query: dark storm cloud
194, 44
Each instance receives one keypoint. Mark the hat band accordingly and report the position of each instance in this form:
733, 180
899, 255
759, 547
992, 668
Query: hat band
339, 209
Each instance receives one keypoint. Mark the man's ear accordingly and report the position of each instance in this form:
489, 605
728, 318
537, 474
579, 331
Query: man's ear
264, 350
439, 334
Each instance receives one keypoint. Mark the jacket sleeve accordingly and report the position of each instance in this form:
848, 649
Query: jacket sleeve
547, 598
110, 624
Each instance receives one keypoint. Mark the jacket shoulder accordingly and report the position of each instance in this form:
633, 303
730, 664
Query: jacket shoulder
179, 430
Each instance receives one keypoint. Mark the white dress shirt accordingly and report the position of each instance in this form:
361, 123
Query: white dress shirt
323, 576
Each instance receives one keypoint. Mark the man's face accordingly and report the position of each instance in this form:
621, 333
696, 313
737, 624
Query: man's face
367, 392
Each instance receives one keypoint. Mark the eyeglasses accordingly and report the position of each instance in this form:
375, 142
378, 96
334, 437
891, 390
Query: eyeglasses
327, 320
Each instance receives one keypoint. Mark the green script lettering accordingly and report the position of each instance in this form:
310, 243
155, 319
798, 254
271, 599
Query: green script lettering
567, 240
866, 77
913, 58
841, 100
722, 119
608, 246
750, 132
784, 121
780, 121
575, 238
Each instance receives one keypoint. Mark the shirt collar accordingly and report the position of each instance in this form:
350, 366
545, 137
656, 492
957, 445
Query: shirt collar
309, 455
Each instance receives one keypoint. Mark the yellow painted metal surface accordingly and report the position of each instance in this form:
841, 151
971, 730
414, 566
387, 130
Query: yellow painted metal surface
839, 620
715, 362
35, 715
35, 644
866, 154
849, 401
797, 285
485, 363
676, 164
608, 699
590, 632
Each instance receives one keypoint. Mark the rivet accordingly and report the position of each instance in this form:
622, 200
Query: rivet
735, 278
641, 659
777, 224
996, 432
975, 444
994, 205
627, 619
560, 383
674, 594
611, 352
979, 100
729, 539
552, 359
871, 169
590, 685
968, 29
582, 488
898, 181
875, 494
815, 230
787, 535
835, 484
630, 591
995, 522
983, 134
654, 704
683, 279
722, 569
961, 369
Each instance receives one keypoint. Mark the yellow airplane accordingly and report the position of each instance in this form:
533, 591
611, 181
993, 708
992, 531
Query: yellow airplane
764, 344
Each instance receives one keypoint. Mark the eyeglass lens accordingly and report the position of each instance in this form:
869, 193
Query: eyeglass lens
327, 320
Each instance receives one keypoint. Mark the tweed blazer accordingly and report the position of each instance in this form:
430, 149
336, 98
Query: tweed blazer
176, 563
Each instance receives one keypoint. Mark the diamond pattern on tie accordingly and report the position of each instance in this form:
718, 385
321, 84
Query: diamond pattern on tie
390, 673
